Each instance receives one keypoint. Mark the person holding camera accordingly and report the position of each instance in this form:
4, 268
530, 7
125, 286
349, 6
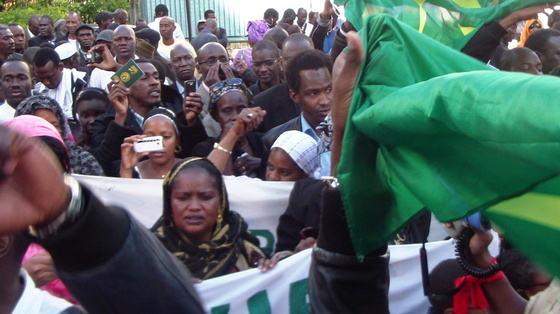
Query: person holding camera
159, 122
126, 117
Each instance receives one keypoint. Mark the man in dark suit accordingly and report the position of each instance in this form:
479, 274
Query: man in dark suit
310, 85
45, 32
183, 65
208, 34
221, 34
280, 107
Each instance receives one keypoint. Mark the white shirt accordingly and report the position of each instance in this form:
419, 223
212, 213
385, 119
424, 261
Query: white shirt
165, 50
37, 301
6, 112
177, 33
63, 93
100, 78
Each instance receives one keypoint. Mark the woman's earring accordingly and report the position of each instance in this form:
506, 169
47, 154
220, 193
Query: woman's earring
178, 149
220, 218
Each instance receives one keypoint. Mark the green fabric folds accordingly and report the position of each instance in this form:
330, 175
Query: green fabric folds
432, 128
451, 22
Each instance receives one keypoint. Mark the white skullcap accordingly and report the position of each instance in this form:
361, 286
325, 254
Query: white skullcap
302, 148
66, 50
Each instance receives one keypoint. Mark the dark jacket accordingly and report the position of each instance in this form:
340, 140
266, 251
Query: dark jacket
280, 108
304, 209
108, 137
338, 281
107, 243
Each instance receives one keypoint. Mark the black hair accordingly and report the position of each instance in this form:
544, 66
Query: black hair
289, 12
297, 38
44, 55
307, 60
509, 57
48, 17
161, 10
32, 18
301, 10
208, 12
539, 38
266, 44
442, 284
160, 68
518, 269
59, 150
270, 13
89, 94
277, 35
553, 18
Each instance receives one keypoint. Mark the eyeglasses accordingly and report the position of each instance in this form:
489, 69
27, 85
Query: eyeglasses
269, 64
535, 25
212, 61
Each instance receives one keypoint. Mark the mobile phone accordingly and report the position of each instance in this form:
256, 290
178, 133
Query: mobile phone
190, 87
149, 144
92, 57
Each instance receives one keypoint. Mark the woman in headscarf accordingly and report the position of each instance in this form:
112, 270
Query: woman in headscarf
158, 122
530, 26
230, 100
198, 227
294, 156
90, 104
81, 162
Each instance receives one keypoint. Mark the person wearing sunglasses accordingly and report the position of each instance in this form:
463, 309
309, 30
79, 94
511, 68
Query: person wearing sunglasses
530, 26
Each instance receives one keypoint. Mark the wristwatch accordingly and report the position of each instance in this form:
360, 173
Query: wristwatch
68, 216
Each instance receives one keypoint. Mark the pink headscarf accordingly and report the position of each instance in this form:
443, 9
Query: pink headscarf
33, 126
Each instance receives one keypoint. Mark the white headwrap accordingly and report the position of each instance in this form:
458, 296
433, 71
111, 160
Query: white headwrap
302, 148
66, 50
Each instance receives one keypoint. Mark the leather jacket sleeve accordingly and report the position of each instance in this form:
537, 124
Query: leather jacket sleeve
338, 281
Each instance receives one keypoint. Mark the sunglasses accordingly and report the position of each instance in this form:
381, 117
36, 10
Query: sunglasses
222, 87
535, 25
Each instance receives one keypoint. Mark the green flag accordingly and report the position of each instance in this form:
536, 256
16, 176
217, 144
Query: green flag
451, 22
531, 223
430, 127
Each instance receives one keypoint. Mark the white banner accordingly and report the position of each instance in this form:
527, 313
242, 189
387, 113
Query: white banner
284, 288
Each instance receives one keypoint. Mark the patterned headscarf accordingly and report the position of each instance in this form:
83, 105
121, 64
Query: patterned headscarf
81, 161
230, 237
221, 88
302, 148
31, 104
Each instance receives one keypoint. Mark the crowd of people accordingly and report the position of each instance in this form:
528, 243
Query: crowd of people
271, 112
